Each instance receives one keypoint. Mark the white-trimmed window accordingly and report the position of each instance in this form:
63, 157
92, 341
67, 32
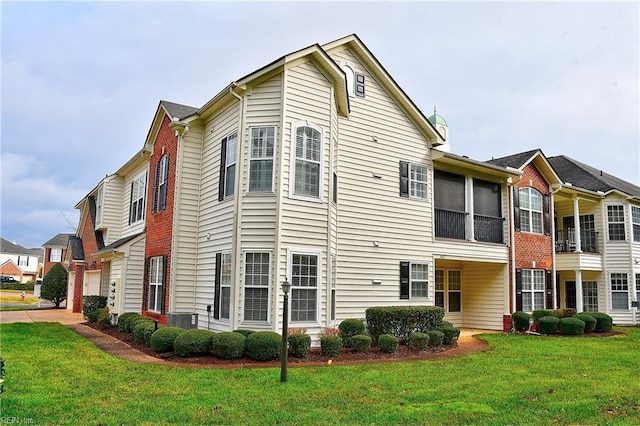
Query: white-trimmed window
162, 178
532, 289
225, 286
55, 255
590, 296
615, 222
619, 291
419, 283
307, 160
530, 210
638, 287
261, 159
136, 204
635, 220
156, 279
349, 78
413, 180
230, 165
256, 286
448, 287
99, 202
304, 287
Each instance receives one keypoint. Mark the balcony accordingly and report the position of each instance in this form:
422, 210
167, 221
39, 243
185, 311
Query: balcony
452, 224
566, 241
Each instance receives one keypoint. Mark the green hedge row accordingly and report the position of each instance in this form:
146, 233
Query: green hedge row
554, 321
401, 321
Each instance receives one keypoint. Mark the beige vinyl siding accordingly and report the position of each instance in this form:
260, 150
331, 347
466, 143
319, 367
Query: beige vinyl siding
112, 208
483, 295
186, 208
134, 228
116, 274
106, 274
371, 209
133, 277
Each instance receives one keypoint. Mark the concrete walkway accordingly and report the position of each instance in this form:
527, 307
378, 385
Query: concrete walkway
62, 316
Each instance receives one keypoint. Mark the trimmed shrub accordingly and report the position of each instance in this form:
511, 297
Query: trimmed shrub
244, 332
361, 343
539, 313
134, 320
193, 342
349, 328
604, 322
589, 321
142, 332
123, 321
299, 344
331, 345
451, 334
565, 312
401, 321
446, 324
91, 304
104, 319
228, 345
520, 320
388, 343
548, 324
54, 285
162, 339
419, 341
436, 338
264, 345
571, 326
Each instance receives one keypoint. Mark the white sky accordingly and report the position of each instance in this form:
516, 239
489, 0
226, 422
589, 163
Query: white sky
81, 81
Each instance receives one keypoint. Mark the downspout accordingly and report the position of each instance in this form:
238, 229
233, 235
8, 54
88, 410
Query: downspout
236, 247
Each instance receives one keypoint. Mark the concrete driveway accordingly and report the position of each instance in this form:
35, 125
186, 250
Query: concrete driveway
62, 316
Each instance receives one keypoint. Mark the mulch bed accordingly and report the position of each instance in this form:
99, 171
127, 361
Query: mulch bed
314, 358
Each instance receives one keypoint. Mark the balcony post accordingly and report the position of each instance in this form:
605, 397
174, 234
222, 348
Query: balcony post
576, 223
579, 298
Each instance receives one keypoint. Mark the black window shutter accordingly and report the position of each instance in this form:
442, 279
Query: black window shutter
335, 188
163, 287
404, 179
145, 286
404, 280
131, 205
216, 289
165, 187
546, 212
223, 163
518, 289
156, 176
548, 289
516, 207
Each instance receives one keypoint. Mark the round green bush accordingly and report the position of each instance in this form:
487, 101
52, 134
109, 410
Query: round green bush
436, 338
331, 345
571, 326
123, 321
228, 345
162, 339
92, 315
142, 331
264, 345
604, 323
446, 324
299, 344
520, 320
565, 312
388, 343
244, 332
349, 328
548, 324
361, 343
104, 318
418, 341
451, 334
539, 313
193, 342
589, 322
134, 320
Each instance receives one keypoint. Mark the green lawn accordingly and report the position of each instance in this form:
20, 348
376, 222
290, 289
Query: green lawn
54, 376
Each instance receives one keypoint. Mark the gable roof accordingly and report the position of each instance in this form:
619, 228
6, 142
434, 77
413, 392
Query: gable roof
11, 248
116, 244
177, 111
521, 160
584, 176
516, 160
76, 249
60, 240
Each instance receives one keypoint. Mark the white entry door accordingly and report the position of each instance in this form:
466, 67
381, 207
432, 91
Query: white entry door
91, 283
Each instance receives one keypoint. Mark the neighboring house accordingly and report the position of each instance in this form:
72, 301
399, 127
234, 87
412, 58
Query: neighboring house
18, 262
55, 251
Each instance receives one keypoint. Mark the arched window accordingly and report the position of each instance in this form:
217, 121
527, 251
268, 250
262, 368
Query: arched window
350, 76
530, 210
307, 159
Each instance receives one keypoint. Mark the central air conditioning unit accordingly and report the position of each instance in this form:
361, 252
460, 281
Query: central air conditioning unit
184, 320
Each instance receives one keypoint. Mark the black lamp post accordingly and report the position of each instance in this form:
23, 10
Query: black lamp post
286, 286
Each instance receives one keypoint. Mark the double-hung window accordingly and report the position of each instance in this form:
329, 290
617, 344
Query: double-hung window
256, 286
419, 281
136, 204
590, 296
530, 210
162, 178
615, 222
307, 157
261, 159
99, 202
228, 155
304, 287
638, 287
532, 289
619, 291
413, 180
225, 286
156, 279
449, 290
635, 219
55, 255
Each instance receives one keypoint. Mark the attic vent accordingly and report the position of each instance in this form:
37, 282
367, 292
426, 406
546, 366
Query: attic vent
360, 85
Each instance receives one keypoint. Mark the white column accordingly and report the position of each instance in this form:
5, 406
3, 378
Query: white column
576, 223
469, 201
579, 298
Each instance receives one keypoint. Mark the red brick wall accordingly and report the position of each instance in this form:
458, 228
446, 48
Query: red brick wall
47, 265
160, 224
89, 245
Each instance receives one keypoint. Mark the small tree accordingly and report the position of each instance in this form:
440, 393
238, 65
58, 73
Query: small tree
54, 284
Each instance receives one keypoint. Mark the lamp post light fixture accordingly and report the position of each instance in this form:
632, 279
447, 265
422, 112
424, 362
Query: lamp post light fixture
286, 287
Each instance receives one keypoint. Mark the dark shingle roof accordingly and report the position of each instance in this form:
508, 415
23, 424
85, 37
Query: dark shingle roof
590, 178
177, 110
116, 244
516, 160
9, 247
59, 240
77, 251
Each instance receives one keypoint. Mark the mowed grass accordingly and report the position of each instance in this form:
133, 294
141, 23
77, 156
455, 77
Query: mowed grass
54, 376
15, 296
